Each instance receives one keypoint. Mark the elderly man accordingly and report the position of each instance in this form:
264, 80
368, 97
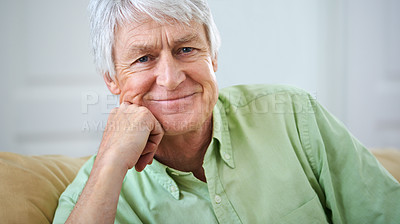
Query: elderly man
249, 154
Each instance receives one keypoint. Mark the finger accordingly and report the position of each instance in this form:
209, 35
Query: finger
151, 161
150, 158
143, 161
154, 127
153, 142
155, 137
123, 105
157, 129
150, 147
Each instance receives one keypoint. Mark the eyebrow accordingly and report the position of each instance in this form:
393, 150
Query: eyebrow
142, 48
138, 49
188, 38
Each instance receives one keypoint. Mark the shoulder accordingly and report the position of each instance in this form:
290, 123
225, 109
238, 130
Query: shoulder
278, 95
261, 88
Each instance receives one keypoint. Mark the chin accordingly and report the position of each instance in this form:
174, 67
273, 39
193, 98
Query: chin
183, 124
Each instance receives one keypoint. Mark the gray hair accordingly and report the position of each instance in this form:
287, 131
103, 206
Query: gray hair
106, 15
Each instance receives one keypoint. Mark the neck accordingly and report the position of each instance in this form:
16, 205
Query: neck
186, 152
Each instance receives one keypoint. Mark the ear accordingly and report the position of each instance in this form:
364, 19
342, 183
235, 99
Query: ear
111, 84
215, 63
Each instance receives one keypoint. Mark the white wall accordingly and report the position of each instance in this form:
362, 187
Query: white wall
48, 68
373, 71
345, 53
291, 42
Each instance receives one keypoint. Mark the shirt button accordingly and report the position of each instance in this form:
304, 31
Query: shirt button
218, 199
227, 156
173, 188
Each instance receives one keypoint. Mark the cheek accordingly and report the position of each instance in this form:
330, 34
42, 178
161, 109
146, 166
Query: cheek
136, 87
206, 78
203, 73
210, 88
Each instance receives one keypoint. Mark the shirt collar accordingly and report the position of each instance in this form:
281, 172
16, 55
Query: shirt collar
221, 134
159, 172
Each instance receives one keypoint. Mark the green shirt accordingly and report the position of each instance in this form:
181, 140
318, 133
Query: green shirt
276, 156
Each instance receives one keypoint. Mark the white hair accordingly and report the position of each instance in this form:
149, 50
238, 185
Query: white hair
106, 15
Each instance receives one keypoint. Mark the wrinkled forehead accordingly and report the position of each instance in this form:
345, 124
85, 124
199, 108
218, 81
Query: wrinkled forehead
145, 20
149, 29
132, 16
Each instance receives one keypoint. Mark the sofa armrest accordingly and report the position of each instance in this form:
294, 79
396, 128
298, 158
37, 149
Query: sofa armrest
31, 185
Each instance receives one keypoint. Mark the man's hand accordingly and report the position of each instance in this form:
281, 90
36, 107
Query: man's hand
130, 139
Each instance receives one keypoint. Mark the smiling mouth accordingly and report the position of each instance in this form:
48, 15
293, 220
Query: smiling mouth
170, 99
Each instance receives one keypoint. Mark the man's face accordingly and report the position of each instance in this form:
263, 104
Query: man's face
169, 70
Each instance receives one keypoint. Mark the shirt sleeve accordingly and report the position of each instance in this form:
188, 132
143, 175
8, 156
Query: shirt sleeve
64, 209
70, 196
357, 188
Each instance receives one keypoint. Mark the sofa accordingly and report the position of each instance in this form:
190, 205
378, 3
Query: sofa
31, 185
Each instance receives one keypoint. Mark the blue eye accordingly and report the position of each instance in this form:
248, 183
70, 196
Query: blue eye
187, 49
143, 59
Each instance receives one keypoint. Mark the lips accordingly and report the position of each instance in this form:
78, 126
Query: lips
174, 98
169, 97
161, 105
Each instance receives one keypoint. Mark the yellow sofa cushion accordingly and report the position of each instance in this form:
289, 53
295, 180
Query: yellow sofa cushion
31, 185
390, 159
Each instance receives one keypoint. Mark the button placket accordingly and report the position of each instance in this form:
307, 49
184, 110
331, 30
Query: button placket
172, 188
223, 208
217, 199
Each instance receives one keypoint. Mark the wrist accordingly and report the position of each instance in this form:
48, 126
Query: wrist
110, 168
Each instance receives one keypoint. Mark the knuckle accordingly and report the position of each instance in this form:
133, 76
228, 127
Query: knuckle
130, 109
143, 110
114, 110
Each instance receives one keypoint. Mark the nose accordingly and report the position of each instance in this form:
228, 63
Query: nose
169, 73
